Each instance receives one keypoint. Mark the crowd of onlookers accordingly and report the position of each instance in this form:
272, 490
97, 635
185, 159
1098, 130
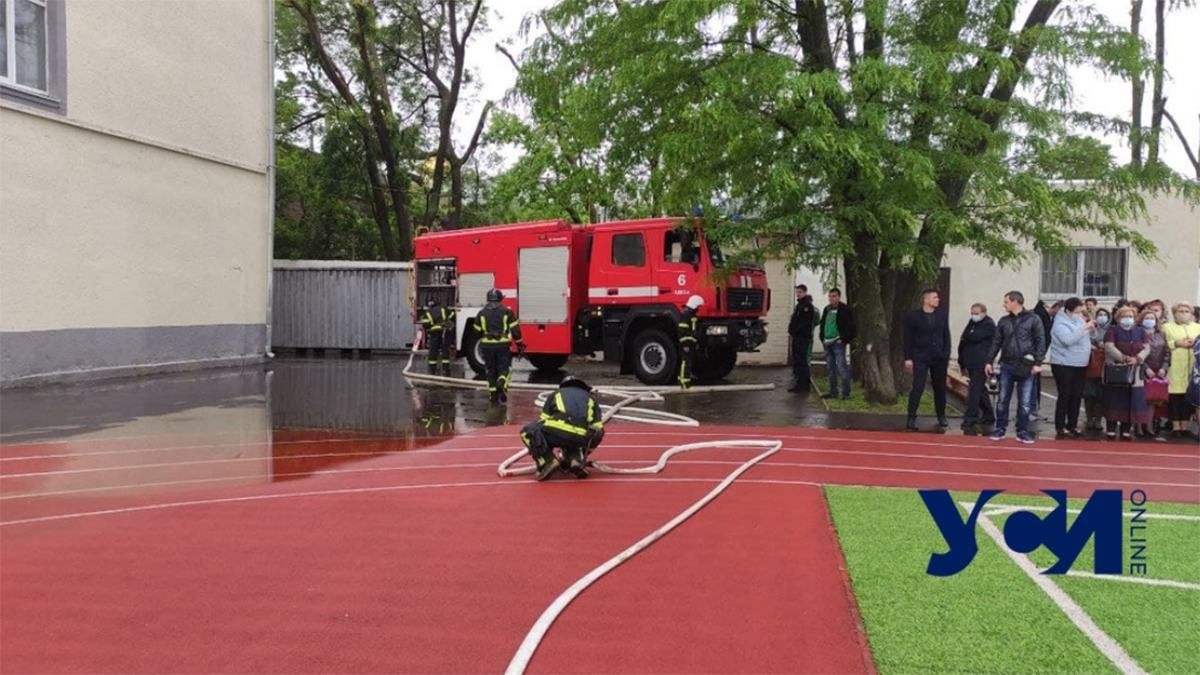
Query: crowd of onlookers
1133, 371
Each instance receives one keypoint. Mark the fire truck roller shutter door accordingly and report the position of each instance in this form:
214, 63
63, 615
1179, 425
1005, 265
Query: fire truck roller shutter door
542, 283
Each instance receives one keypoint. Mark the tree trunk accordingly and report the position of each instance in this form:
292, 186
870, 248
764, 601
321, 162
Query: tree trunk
872, 348
456, 194
1156, 97
1139, 90
379, 207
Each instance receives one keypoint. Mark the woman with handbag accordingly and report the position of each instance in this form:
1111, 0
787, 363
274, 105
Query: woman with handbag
1181, 337
1158, 361
1125, 350
1093, 388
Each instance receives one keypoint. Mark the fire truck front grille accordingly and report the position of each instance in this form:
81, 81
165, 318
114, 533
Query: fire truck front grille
745, 299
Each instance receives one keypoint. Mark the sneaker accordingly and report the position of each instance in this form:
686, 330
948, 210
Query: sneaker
911, 425
943, 423
1027, 439
830, 395
1075, 433
546, 470
996, 436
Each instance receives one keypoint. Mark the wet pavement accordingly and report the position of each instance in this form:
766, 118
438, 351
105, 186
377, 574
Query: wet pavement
302, 416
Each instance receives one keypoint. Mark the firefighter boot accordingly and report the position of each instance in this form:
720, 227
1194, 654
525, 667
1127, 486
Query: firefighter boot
576, 463
546, 466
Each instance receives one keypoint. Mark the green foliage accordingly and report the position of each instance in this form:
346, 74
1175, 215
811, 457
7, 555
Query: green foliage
939, 123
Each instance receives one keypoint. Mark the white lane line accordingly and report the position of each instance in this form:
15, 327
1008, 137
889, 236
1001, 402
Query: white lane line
839, 467
400, 452
1002, 509
849, 440
1107, 646
927, 442
533, 638
206, 446
389, 488
1147, 581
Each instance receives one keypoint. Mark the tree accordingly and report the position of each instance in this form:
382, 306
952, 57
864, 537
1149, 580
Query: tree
876, 133
439, 31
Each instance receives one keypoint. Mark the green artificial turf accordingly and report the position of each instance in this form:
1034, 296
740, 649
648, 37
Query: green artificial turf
991, 617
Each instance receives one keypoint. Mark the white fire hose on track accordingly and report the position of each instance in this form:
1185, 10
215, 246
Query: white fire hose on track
621, 410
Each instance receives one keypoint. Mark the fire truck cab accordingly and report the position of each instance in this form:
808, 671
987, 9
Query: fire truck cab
615, 289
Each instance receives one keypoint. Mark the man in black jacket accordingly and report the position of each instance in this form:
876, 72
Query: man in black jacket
973, 349
927, 352
837, 329
800, 328
1020, 343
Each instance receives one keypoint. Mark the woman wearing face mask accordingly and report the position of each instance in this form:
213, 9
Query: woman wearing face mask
1093, 389
1181, 337
1070, 352
973, 349
1157, 363
1125, 344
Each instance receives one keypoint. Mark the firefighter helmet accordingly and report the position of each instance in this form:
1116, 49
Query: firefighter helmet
572, 381
695, 302
494, 295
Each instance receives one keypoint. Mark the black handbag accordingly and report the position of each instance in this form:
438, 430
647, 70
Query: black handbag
1120, 376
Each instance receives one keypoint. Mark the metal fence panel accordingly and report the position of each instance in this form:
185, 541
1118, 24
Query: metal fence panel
323, 304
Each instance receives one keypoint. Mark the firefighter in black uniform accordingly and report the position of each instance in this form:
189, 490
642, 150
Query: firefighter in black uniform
687, 339
498, 327
438, 322
570, 420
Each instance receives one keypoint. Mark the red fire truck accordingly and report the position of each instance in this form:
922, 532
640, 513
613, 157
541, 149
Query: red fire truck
614, 288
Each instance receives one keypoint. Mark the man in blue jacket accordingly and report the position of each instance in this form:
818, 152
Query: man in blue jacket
927, 352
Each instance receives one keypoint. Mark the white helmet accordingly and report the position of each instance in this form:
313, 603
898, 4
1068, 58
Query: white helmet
695, 302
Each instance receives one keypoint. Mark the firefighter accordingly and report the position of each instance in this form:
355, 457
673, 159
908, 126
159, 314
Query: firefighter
438, 322
687, 339
498, 327
570, 421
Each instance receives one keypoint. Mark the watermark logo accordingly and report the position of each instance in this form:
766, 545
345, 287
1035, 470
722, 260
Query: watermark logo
1025, 531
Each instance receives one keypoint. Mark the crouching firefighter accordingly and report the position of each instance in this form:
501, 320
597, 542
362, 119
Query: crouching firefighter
498, 327
438, 323
687, 339
570, 421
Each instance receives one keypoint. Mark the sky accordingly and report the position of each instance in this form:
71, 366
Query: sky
1092, 90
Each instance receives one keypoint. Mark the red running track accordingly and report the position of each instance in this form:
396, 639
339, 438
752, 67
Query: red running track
426, 561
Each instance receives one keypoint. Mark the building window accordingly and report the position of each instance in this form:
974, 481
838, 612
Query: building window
32, 53
1085, 272
629, 250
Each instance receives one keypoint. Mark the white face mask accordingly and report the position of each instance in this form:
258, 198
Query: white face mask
977, 317
1127, 322
1102, 319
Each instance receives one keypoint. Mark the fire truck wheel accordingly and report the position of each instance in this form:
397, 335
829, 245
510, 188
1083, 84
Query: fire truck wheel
655, 358
547, 362
473, 351
716, 363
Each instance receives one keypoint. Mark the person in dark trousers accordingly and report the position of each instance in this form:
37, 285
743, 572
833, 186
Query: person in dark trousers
498, 328
438, 323
687, 339
570, 421
800, 328
973, 348
1020, 343
838, 329
1046, 314
927, 352
1070, 353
